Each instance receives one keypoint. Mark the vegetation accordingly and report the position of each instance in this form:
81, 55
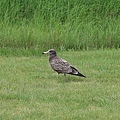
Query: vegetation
68, 24
29, 89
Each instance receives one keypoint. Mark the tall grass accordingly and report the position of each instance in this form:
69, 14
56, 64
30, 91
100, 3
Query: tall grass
70, 24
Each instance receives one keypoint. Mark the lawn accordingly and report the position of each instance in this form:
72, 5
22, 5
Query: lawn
30, 89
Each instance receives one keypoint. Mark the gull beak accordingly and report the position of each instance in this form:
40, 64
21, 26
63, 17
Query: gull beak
47, 52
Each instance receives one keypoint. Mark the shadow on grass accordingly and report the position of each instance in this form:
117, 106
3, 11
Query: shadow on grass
70, 78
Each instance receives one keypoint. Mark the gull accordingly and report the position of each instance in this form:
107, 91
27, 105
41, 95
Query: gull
60, 65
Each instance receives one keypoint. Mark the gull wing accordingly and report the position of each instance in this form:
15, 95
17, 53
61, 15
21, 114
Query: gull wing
60, 65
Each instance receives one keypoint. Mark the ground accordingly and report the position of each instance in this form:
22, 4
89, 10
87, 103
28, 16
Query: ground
30, 89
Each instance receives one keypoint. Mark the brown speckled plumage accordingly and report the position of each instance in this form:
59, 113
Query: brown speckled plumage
60, 65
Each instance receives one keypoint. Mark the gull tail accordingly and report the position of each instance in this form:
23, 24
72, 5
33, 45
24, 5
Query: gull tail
76, 72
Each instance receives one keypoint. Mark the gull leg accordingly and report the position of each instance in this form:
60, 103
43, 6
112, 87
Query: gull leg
65, 75
58, 76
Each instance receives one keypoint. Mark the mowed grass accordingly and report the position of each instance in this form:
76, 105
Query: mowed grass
30, 90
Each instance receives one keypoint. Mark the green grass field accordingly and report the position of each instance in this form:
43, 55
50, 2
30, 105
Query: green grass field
30, 90
85, 33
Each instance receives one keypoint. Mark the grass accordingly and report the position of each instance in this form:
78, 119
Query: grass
29, 89
69, 24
